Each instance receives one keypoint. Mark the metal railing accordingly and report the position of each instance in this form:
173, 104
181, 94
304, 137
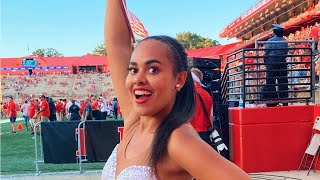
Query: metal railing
37, 131
249, 71
38, 160
78, 138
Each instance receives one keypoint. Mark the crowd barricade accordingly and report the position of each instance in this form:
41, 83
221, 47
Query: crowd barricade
75, 141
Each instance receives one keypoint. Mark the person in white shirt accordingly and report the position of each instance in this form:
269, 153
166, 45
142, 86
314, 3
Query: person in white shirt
104, 109
25, 113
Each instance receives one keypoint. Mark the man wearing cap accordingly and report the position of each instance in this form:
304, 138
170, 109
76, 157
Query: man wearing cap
44, 110
276, 55
203, 114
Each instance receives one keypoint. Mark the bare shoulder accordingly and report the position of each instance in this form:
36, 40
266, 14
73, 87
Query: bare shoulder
183, 132
192, 154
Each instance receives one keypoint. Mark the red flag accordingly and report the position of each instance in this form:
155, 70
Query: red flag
136, 26
134, 23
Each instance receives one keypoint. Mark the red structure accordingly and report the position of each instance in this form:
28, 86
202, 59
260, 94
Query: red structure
270, 139
50, 65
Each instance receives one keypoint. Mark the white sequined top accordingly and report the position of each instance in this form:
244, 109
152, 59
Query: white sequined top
129, 173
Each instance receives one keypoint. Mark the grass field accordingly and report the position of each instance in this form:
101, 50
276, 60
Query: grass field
18, 155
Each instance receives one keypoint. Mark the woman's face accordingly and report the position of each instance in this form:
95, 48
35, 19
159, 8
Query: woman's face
150, 81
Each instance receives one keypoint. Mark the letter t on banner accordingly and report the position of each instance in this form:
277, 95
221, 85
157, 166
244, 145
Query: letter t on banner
134, 24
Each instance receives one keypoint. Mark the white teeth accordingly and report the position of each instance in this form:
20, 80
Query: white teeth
139, 92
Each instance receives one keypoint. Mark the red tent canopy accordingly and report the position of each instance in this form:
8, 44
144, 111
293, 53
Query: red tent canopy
211, 52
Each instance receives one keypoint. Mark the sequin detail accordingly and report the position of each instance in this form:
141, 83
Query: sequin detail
129, 173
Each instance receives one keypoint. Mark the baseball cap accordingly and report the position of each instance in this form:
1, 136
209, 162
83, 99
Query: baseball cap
277, 26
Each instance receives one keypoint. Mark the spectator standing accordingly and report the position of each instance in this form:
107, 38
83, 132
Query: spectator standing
202, 119
67, 106
12, 114
44, 110
87, 110
95, 108
64, 111
82, 106
109, 106
59, 110
33, 108
276, 54
3, 110
74, 111
104, 109
115, 108
314, 35
25, 113
52, 110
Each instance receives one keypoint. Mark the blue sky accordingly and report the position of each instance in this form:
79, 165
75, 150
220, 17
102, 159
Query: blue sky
75, 27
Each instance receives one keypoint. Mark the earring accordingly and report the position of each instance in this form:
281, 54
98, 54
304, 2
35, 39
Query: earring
178, 87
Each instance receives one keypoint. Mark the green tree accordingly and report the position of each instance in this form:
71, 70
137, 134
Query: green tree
39, 52
100, 50
49, 52
195, 41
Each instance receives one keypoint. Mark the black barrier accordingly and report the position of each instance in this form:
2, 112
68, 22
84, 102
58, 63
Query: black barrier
101, 138
60, 145
58, 139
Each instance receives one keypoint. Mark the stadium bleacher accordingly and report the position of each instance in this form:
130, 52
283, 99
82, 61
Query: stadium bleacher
57, 86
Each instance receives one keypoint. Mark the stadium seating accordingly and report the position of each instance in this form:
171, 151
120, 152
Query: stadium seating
56, 86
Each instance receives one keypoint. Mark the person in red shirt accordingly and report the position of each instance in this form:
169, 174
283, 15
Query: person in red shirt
5, 106
3, 110
82, 106
33, 108
315, 34
95, 109
59, 109
44, 109
12, 113
202, 119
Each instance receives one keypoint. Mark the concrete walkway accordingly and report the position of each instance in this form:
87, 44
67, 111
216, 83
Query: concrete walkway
96, 175
90, 175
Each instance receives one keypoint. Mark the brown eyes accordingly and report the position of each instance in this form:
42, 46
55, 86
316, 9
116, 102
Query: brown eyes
132, 70
151, 70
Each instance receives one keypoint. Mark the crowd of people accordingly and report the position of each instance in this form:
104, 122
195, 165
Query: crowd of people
46, 109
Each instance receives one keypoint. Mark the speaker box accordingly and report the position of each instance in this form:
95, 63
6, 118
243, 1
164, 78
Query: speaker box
209, 75
212, 85
206, 63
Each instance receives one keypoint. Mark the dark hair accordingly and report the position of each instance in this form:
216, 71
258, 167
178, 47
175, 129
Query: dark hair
183, 107
25, 101
278, 32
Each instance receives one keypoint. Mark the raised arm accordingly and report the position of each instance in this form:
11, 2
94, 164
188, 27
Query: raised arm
118, 46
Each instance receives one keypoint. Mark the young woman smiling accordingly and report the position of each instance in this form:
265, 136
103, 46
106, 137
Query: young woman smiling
155, 90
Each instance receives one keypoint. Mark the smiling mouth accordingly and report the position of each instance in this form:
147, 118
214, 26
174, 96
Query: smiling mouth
142, 96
